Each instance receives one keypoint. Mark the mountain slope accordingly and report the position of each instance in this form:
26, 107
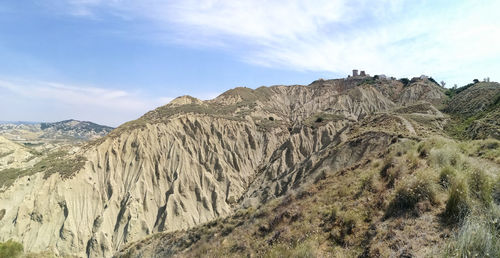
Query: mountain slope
13, 155
476, 111
392, 204
192, 161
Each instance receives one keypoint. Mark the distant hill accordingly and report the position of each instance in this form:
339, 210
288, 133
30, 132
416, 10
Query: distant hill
19, 122
68, 130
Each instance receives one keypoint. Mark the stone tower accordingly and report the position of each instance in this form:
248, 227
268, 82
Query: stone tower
354, 72
362, 73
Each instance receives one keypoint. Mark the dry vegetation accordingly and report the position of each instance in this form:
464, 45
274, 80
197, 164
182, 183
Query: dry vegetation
55, 162
13, 249
412, 200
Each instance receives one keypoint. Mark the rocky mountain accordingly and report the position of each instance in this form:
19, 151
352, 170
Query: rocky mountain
68, 130
191, 162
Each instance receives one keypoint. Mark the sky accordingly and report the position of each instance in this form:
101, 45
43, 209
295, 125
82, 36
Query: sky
110, 61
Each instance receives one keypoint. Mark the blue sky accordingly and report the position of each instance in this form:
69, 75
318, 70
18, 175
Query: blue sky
110, 61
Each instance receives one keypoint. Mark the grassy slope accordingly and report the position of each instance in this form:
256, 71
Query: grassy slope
475, 111
55, 162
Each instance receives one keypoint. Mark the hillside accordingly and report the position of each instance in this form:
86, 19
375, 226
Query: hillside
389, 205
476, 111
13, 155
194, 162
63, 131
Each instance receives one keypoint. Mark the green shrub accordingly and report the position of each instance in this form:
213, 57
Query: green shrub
10, 249
410, 192
405, 81
446, 176
432, 80
458, 204
480, 186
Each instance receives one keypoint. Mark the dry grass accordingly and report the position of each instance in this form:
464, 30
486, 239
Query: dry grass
56, 162
412, 190
479, 235
458, 204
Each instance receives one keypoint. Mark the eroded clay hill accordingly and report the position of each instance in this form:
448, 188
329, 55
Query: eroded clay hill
192, 161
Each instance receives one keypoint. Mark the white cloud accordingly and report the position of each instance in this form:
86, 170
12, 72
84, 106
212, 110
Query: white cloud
61, 101
453, 40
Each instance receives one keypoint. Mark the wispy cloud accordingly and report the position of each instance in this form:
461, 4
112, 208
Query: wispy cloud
109, 106
454, 40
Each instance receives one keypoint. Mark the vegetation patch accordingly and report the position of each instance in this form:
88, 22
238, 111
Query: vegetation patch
8, 176
446, 176
320, 119
56, 162
458, 204
451, 92
480, 186
11, 249
411, 191
481, 119
479, 236
404, 81
487, 149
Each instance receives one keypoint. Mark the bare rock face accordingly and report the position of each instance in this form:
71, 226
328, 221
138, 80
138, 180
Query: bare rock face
144, 181
422, 90
192, 161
